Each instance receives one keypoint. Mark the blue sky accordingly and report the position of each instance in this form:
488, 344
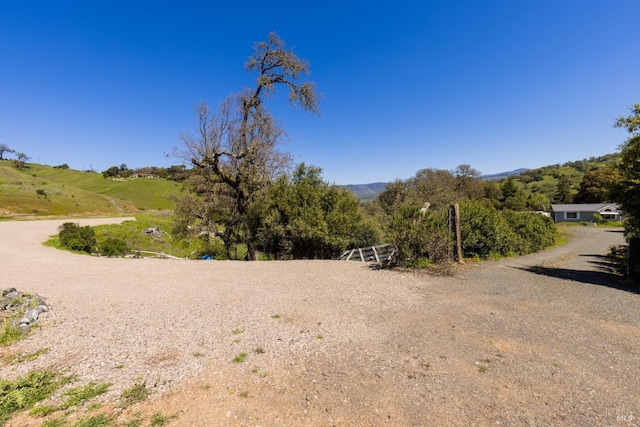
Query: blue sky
406, 85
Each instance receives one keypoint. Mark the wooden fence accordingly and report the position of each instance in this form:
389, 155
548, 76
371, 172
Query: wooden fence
379, 254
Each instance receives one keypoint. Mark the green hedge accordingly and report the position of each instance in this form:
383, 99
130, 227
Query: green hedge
77, 238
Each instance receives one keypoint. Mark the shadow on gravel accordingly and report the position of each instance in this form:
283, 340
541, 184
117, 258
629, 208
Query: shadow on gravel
604, 277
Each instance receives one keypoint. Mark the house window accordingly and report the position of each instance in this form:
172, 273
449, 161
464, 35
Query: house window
571, 215
608, 216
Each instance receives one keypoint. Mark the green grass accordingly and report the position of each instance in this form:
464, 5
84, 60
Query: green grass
133, 395
43, 190
54, 422
24, 392
10, 333
78, 395
239, 358
43, 410
100, 420
131, 232
19, 195
144, 193
158, 420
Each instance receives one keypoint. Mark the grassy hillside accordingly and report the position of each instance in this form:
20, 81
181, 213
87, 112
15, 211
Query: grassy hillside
545, 179
144, 193
43, 190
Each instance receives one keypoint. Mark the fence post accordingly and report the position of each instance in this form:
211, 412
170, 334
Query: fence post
455, 210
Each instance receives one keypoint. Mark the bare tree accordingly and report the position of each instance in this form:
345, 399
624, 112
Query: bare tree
21, 160
236, 149
4, 148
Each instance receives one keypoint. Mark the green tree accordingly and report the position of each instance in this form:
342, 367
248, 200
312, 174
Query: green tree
627, 191
538, 202
492, 193
468, 182
563, 190
596, 185
235, 151
393, 196
516, 203
437, 187
112, 172
304, 217
509, 188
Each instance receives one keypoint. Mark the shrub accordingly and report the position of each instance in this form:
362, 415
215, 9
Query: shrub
77, 238
485, 232
488, 233
114, 247
535, 231
420, 238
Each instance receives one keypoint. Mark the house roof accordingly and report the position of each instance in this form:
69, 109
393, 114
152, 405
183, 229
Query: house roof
584, 207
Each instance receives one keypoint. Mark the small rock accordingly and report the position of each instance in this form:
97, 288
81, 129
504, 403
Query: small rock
24, 327
13, 294
24, 320
42, 308
32, 315
8, 291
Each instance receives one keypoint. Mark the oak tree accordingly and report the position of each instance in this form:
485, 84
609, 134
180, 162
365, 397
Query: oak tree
235, 150
627, 191
4, 149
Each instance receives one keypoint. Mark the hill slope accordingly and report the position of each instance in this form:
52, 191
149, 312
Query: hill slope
44, 190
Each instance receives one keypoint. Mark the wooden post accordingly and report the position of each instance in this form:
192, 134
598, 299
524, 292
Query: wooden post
456, 224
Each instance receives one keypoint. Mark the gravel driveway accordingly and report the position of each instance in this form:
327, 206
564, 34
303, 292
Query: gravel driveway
545, 339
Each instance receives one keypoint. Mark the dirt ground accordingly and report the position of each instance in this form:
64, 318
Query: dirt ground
546, 339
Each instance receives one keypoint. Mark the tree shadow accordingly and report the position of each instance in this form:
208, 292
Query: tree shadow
605, 274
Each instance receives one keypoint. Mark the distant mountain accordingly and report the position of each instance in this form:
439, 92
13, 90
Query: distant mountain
366, 191
499, 176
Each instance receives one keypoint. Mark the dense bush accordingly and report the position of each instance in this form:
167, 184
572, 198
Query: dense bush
420, 238
113, 247
77, 238
304, 217
485, 232
535, 231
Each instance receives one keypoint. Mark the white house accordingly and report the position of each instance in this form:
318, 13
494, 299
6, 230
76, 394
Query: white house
585, 212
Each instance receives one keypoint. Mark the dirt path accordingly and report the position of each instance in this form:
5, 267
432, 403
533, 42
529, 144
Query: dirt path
546, 339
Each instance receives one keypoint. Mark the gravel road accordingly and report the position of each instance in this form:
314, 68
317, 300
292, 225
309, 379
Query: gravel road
545, 339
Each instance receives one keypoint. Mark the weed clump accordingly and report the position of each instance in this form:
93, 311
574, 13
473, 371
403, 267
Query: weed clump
24, 392
133, 395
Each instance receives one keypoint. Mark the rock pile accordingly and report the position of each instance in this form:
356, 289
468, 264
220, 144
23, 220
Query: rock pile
24, 309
